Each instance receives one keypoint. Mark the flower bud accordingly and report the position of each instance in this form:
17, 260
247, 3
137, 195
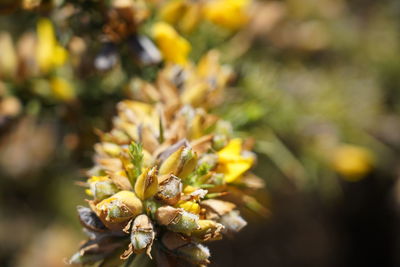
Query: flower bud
209, 159
181, 163
118, 208
142, 235
177, 220
219, 141
170, 164
146, 184
170, 190
188, 162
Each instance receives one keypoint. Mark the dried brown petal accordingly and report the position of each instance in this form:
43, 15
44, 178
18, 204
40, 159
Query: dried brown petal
148, 139
233, 222
166, 215
142, 235
116, 210
120, 180
218, 206
173, 240
177, 220
170, 190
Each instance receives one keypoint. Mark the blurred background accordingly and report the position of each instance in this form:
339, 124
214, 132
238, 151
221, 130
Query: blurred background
317, 87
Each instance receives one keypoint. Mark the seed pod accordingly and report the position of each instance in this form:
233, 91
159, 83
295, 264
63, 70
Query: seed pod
170, 190
177, 220
142, 235
118, 208
146, 184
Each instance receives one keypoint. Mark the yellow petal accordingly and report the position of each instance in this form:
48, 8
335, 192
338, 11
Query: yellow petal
45, 45
62, 89
230, 151
172, 11
94, 179
232, 163
191, 18
189, 189
353, 162
234, 170
146, 185
230, 14
171, 164
174, 47
190, 206
59, 56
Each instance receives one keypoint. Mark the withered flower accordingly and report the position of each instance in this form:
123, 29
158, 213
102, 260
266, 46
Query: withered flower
170, 190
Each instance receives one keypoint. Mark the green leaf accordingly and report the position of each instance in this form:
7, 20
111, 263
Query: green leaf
136, 155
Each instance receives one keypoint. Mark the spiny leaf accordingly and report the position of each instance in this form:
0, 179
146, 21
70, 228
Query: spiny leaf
136, 155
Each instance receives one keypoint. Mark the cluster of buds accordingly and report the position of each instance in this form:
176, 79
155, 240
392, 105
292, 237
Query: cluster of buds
167, 174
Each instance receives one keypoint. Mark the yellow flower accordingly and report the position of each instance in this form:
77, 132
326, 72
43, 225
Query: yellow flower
353, 162
232, 163
230, 14
186, 15
49, 53
62, 89
174, 47
172, 11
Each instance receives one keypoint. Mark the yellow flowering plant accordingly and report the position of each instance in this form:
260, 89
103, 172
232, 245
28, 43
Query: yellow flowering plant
168, 177
186, 14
